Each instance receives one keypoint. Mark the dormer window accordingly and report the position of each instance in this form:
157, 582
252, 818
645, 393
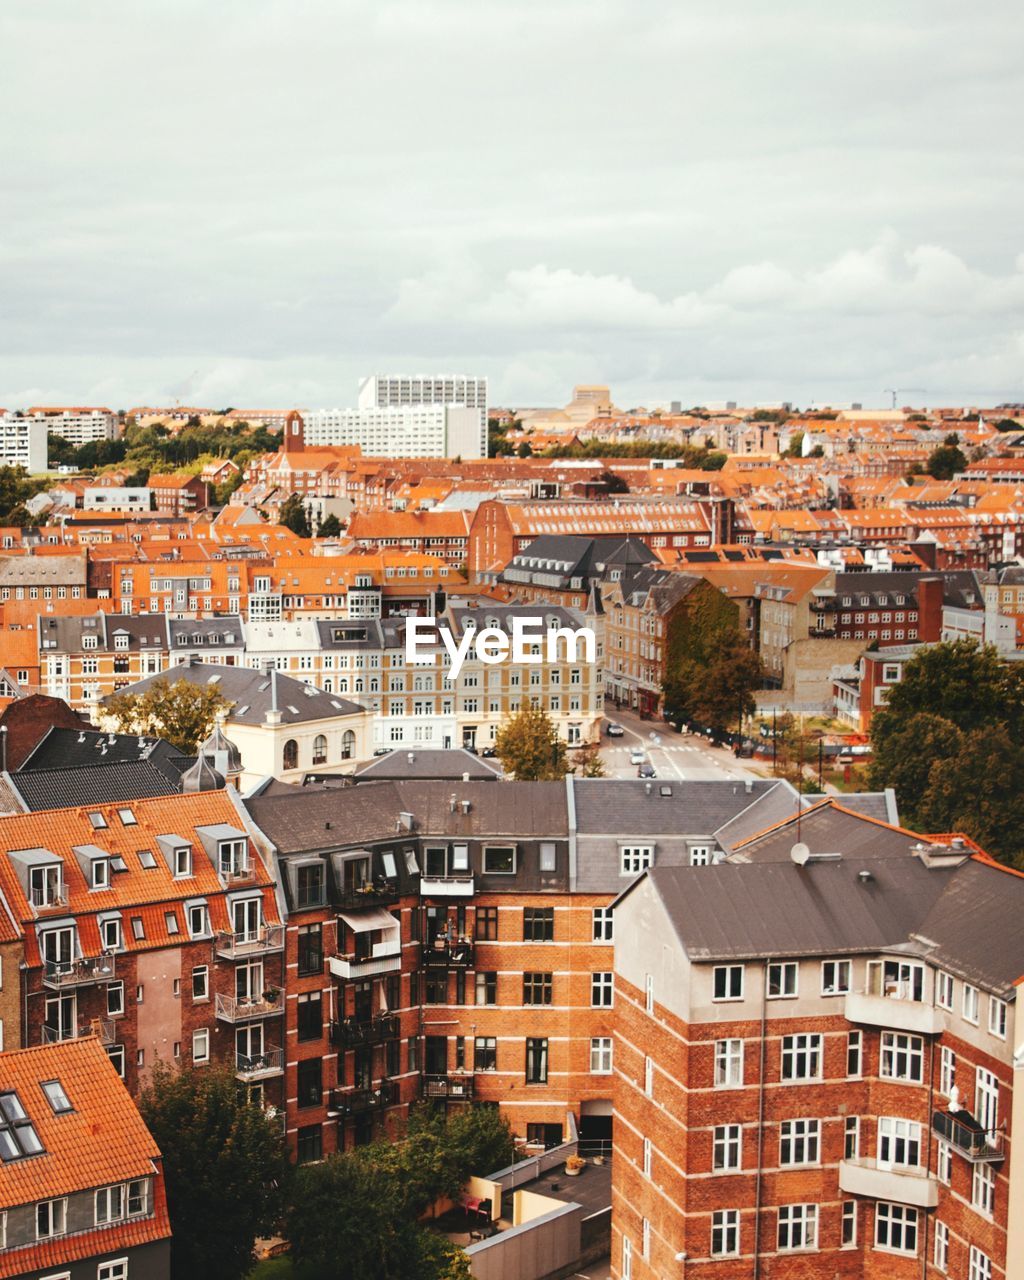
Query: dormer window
46, 885
121, 641
110, 934
232, 857
100, 873
182, 861
90, 642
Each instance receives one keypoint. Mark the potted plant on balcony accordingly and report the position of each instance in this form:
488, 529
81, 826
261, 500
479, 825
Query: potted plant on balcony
271, 994
574, 1166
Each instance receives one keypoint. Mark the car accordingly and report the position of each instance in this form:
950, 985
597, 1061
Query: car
614, 730
637, 756
646, 771
383, 751
488, 753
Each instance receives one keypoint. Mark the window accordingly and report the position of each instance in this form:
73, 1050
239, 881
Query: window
649, 993
201, 1045
310, 1082
309, 1144
603, 928
851, 1138
854, 1053
536, 1061
636, 858
835, 977
728, 982
538, 924
997, 1017
100, 868
983, 1189
947, 1071
601, 990
138, 928
310, 885
536, 988
902, 1057
548, 856
944, 990
56, 1097
627, 1258
728, 1064
201, 982
727, 1148
649, 1076
115, 1053
970, 1004
944, 1163
17, 1134
601, 1056
413, 1056
110, 934
109, 1204
487, 924
51, 1218
799, 1141
486, 988
485, 1053
848, 1233
138, 1197
986, 1099
648, 1154
310, 950
725, 1233
436, 988
499, 860
798, 1227
198, 921
782, 980
895, 1228
940, 1255
645, 1237
309, 1015
290, 754
115, 1270
801, 1057
899, 1143
980, 1265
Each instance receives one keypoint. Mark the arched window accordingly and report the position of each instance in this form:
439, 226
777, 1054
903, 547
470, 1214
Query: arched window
348, 744
291, 754
319, 749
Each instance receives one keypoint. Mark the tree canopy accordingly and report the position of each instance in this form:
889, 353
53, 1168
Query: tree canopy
945, 461
183, 713
224, 1166
529, 747
293, 516
950, 740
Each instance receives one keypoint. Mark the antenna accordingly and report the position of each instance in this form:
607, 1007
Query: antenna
800, 854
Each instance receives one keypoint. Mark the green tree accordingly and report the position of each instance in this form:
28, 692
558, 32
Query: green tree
945, 461
224, 1164
796, 445
722, 692
587, 761
976, 789
182, 713
293, 516
529, 747
329, 527
525, 450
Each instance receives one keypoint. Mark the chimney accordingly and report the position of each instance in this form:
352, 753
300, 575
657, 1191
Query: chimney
929, 608
466, 806
406, 821
411, 757
273, 711
748, 785
647, 788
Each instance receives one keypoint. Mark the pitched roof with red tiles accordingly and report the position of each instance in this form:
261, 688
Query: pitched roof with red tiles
100, 1142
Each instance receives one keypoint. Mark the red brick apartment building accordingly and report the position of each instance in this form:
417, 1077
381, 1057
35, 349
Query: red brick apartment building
815, 1061
152, 925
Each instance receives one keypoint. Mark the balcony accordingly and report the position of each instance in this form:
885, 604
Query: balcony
447, 955
103, 1028
234, 1009
446, 886
235, 946
259, 1066
350, 1034
382, 894
454, 1088
967, 1137
905, 1185
895, 1011
78, 973
347, 1103
383, 957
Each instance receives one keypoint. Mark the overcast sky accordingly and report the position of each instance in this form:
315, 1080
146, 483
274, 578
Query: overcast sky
254, 202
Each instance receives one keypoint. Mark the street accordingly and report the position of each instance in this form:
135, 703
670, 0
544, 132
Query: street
684, 757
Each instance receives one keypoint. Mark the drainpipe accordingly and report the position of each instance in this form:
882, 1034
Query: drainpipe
760, 1121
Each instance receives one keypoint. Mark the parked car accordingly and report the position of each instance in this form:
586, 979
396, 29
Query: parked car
614, 730
637, 756
383, 751
488, 752
646, 771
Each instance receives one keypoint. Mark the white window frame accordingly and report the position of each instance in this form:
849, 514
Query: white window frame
970, 1004
900, 1219
799, 1137
729, 1063
726, 1222
997, 1010
602, 924
895, 1044
602, 990
783, 980
106, 1211
983, 1189
601, 1055
201, 1036
801, 1220
944, 984
62, 1203
980, 1265
947, 1070
809, 1044
836, 985
940, 1248
634, 858
734, 990
898, 1138
727, 1148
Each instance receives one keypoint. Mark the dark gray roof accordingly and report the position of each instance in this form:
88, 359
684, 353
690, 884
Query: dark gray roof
828, 829
433, 764
873, 804
70, 749
252, 693
554, 560
144, 631
522, 809
93, 783
628, 807
752, 910
976, 925
298, 822
205, 633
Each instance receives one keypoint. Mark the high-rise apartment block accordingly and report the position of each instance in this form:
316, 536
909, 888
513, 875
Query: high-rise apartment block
409, 431
23, 443
382, 390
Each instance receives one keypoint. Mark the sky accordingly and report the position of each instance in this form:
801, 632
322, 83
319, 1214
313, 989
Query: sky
256, 202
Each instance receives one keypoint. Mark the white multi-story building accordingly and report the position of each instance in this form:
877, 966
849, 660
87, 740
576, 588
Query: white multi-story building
411, 431
78, 426
384, 391
96, 498
23, 443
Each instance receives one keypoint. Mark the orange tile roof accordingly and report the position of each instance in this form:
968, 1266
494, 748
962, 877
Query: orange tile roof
102, 1141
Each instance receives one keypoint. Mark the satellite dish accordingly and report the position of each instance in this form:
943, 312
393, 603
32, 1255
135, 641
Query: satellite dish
800, 854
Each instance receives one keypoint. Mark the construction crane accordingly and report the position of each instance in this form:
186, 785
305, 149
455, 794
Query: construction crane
899, 391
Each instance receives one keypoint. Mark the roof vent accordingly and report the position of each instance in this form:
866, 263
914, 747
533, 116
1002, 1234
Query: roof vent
327, 825
648, 789
466, 806
864, 876
748, 785
453, 803
411, 757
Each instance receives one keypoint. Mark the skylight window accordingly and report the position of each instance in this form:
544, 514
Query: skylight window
242, 710
18, 1137
146, 859
97, 821
138, 929
171, 921
128, 819
56, 1097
